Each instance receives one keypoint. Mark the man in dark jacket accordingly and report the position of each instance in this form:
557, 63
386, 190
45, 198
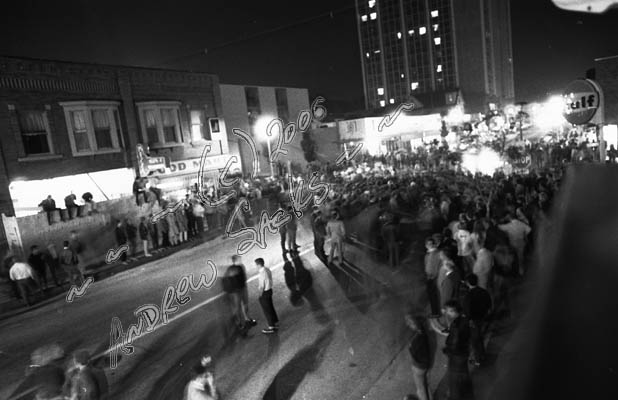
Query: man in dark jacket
477, 305
143, 235
319, 233
49, 206
72, 208
68, 261
131, 231
38, 263
419, 350
457, 350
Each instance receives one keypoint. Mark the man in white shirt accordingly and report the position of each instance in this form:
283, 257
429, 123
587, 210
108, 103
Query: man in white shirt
483, 266
265, 288
23, 276
517, 232
335, 231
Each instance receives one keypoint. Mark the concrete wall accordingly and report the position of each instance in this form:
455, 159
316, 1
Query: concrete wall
607, 78
96, 232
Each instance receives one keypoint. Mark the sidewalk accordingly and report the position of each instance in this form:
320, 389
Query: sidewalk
12, 306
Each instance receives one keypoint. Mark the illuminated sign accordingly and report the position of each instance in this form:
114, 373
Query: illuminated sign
192, 166
582, 100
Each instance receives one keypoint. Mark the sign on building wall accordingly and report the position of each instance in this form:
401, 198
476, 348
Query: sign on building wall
583, 101
13, 237
192, 165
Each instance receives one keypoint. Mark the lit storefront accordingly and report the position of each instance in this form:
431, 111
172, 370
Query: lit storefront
181, 176
406, 132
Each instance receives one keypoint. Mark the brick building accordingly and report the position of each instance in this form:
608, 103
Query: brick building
74, 127
606, 75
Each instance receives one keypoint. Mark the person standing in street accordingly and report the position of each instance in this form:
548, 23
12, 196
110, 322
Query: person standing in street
420, 353
432, 270
235, 285
477, 305
265, 288
483, 266
144, 234
68, 261
38, 263
336, 233
319, 233
457, 350
24, 277
78, 248
517, 232
131, 231
291, 233
449, 286
121, 239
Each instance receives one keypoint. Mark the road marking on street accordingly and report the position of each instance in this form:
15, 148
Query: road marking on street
194, 308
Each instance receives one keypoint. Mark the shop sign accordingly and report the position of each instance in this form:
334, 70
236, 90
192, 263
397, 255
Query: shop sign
582, 100
523, 162
147, 164
192, 166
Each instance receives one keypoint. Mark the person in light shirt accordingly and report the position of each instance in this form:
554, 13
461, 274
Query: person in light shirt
23, 276
335, 230
517, 231
265, 288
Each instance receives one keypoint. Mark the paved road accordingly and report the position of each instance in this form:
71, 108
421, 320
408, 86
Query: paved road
332, 346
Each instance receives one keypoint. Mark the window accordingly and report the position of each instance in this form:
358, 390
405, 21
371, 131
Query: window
281, 97
93, 126
35, 133
437, 41
254, 110
392, 101
364, 18
373, 15
422, 30
367, 54
439, 69
376, 51
403, 76
411, 32
382, 103
398, 35
160, 122
434, 14
380, 91
414, 85
435, 27
372, 3
199, 129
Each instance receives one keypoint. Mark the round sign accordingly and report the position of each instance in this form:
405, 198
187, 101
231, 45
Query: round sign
582, 100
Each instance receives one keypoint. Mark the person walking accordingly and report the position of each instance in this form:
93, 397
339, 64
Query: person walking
53, 261
131, 231
457, 350
78, 248
68, 261
335, 231
235, 285
144, 235
420, 353
477, 305
517, 231
265, 288
432, 271
24, 277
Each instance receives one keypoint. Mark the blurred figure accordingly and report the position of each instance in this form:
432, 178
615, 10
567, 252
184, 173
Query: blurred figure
121, 239
131, 231
291, 226
319, 233
477, 305
76, 245
483, 266
390, 235
202, 384
198, 213
68, 261
517, 232
335, 231
235, 285
39, 264
432, 271
449, 285
457, 350
53, 261
45, 373
23, 275
144, 235
420, 353
81, 380
72, 207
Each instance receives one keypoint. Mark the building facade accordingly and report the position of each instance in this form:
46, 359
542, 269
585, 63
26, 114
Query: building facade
73, 128
251, 108
441, 52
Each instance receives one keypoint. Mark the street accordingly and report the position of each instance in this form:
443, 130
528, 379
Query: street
333, 345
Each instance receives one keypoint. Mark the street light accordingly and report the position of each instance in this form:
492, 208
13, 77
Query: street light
260, 127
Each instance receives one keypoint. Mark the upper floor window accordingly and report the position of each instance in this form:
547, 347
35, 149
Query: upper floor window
281, 97
199, 129
160, 122
94, 126
35, 133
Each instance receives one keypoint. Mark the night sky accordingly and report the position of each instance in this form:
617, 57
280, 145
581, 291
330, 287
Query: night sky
307, 46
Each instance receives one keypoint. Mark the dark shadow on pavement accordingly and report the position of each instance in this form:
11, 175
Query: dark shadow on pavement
287, 380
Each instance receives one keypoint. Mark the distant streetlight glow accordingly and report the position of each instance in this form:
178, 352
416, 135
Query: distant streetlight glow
455, 116
548, 115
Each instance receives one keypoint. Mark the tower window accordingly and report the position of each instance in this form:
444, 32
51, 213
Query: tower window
373, 15
364, 18
422, 30
434, 14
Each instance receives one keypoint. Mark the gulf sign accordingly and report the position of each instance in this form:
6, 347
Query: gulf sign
582, 100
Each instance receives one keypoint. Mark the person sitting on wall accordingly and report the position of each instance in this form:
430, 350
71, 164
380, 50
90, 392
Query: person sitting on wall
49, 206
72, 208
89, 204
